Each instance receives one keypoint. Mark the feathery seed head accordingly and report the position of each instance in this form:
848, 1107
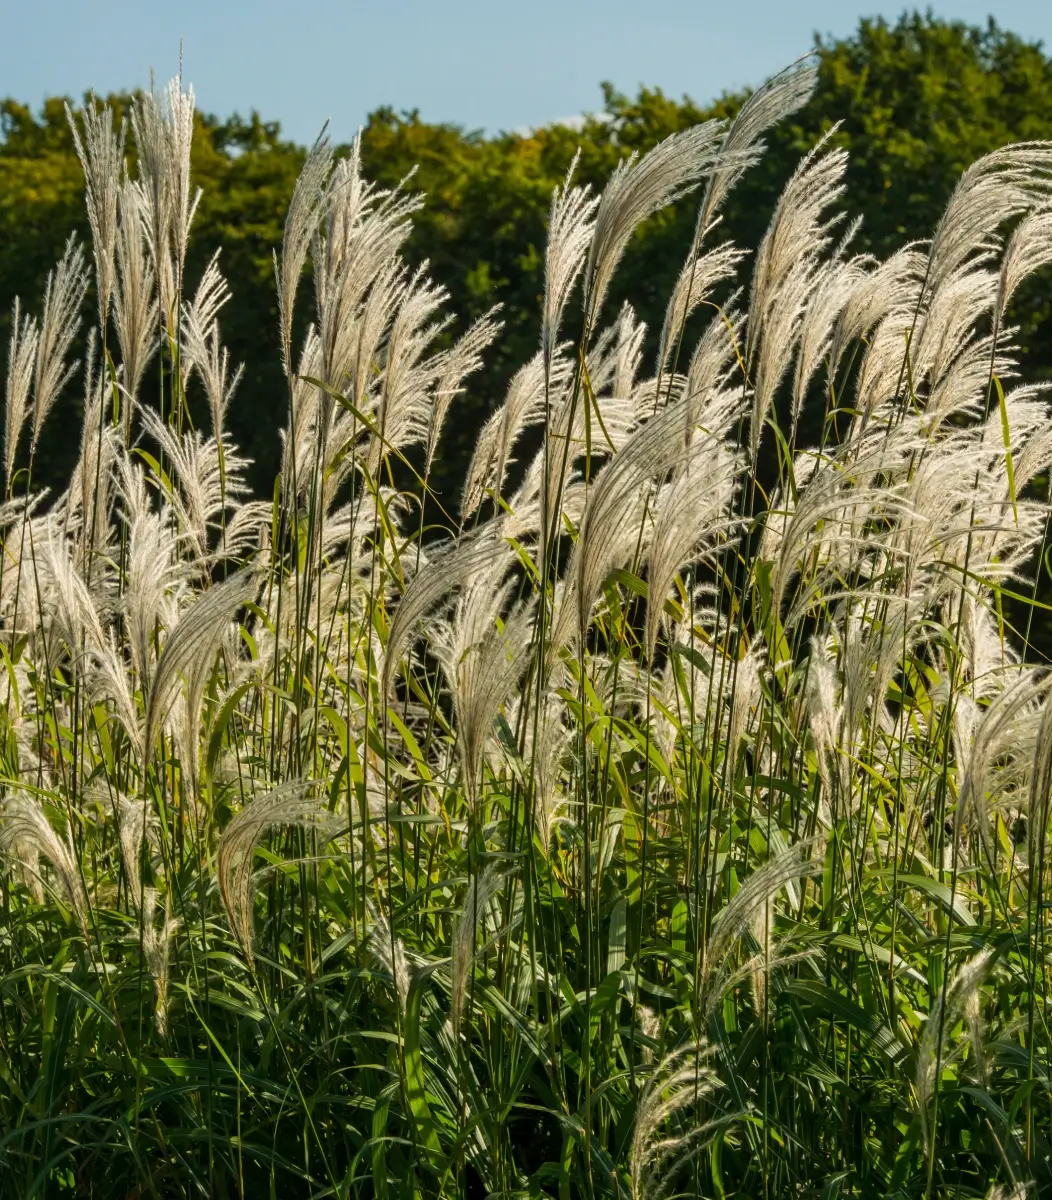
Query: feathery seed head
101, 152
637, 190
63, 294
21, 369
297, 804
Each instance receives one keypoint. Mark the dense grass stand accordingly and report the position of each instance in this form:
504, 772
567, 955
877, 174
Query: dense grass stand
673, 823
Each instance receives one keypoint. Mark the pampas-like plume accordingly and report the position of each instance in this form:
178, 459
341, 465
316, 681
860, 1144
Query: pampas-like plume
570, 226
690, 513
825, 712
21, 367
156, 938
63, 294
301, 224
213, 365
163, 128
785, 267
90, 483
629, 355
101, 154
944, 1014
200, 314
134, 301
482, 658
390, 954
154, 571
72, 609
777, 99
431, 585
783, 327
26, 835
68, 597
679, 1082
452, 368
1029, 249
1001, 185
548, 739
209, 479
746, 696
482, 889
797, 229
524, 406
610, 526
137, 825
715, 355
834, 286
973, 1015
947, 326
74, 613
180, 127
598, 425
761, 926
297, 804
364, 334
890, 287
202, 347
362, 237
405, 405
832, 498
1005, 730
700, 274
192, 645
154, 161
756, 893
1018, 1191
638, 189
650, 1027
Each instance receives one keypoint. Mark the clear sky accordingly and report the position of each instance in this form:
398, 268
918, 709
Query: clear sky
492, 65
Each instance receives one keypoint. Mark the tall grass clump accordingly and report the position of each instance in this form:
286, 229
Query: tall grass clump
673, 821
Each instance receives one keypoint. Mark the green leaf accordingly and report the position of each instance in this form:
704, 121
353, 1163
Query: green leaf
615, 942
415, 1088
1006, 436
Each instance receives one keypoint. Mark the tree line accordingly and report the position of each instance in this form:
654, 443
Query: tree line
918, 100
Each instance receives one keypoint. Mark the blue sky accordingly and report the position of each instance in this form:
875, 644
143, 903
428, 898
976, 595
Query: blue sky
495, 65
